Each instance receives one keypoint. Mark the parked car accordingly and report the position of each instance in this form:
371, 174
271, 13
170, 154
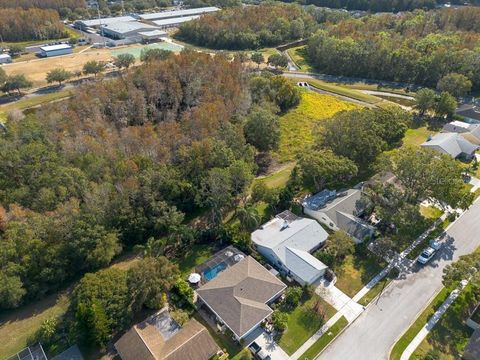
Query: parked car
254, 348
426, 255
262, 355
435, 245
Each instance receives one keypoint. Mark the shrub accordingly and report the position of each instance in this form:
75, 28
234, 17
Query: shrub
280, 320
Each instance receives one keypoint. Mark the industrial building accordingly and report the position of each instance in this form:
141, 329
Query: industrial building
55, 50
96, 23
178, 13
5, 59
148, 36
169, 23
122, 30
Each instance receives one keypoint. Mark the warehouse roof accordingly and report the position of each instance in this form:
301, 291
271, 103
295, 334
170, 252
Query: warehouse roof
153, 33
55, 47
107, 21
178, 13
174, 21
126, 27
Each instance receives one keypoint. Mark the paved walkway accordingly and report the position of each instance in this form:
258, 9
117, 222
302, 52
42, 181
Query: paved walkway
475, 183
340, 301
268, 344
422, 334
306, 345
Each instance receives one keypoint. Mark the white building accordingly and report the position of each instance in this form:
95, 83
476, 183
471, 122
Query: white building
452, 144
96, 23
56, 50
122, 30
287, 241
5, 59
169, 23
178, 13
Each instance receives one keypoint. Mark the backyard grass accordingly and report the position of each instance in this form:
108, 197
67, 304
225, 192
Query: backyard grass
279, 178
18, 326
296, 126
415, 137
301, 325
450, 335
413, 330
341, 90
196, 255
299, 55
324, 340
378, 288
356, 271
430, 212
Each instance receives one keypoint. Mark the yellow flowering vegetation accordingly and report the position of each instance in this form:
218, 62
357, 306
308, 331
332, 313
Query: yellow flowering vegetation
296, 126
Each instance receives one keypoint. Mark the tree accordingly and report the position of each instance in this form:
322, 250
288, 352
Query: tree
446, 105
293, 296
3, 77
149, 280
425, 100
248, 216
257, 58
180, 317
94, 322
280, 321
58, 75
462, 269
457, 85
16, 49
93, 67
11, 291
278, 60
339, 245
262, 129
150, 55
184, 292
16, 82
124, 61
216, 193
322, 168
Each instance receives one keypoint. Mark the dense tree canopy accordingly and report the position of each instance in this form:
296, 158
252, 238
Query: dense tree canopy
249, 27
418, 47
31, 24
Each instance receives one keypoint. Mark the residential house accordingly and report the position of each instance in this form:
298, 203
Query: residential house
239, 296
161, 338
287, 241
452, 144
470, 132
340, 211
470, 112
472, 350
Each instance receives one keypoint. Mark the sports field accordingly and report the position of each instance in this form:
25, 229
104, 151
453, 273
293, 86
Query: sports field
136, 51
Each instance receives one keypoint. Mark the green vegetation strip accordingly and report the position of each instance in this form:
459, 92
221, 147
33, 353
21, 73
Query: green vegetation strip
324, 340
340, 90
413, 330
434, 234
26, 103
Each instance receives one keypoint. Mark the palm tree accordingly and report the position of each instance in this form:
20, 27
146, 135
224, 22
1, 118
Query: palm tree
249, 218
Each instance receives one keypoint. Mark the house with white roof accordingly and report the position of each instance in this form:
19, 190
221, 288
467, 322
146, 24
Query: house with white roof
452, 144
470, 132
287, 241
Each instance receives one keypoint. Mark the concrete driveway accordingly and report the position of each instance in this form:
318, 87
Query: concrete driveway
269, 345
340, 301
373, 334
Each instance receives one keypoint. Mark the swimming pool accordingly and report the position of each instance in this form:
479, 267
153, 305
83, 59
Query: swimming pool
212, 273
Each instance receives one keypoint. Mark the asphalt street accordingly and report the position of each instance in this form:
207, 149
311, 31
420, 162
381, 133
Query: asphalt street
373, 334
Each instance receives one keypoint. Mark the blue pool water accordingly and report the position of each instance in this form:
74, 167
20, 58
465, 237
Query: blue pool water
213, 272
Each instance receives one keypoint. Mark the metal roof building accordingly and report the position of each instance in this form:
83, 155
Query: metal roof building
178, 13
105, 21
5, 59
168, 23
56, 50
123, 30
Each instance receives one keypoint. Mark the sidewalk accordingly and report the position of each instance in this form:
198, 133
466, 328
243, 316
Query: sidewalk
340, 301
422, 334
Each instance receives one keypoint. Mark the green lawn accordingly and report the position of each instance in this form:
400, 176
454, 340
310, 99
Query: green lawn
298, 55
196, 255
341, 90
301, 325
296, 126
450, 335
407, 338
21, 324
356, 271
378, 288
430, 212
415, 137
324, 340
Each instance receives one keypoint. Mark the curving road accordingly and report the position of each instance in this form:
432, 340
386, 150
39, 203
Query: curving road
373, 334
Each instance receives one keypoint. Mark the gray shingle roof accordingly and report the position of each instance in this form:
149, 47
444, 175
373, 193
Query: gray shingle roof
239, 294
452, 144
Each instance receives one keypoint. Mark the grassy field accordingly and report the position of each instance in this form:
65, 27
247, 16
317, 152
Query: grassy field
301, 325
18, 326
415, 137
342, 90
296, 126
413, 330
298, 55
355, 272
430, 212
324, 340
